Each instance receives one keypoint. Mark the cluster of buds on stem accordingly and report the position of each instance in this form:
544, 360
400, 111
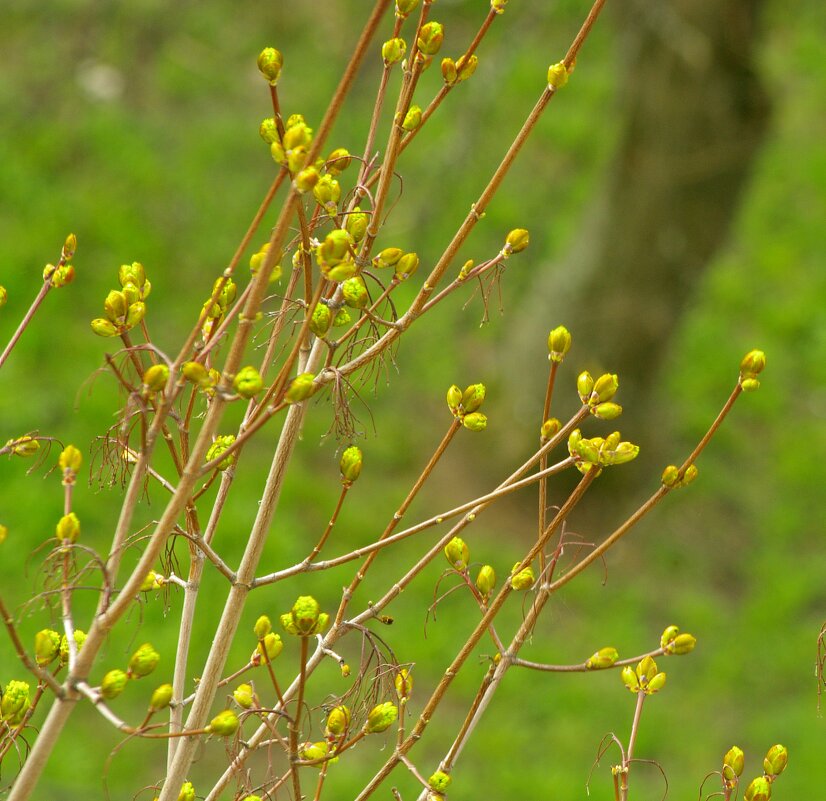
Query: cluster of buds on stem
24, 446
126, 307
645, 678
404, 264
515, 242
257, 259
215, 308
14, 703
305, 619
673, 641
598, 395
460, 70
464, 406
69, 462
760, 788
269, 645
599, 452
291, 149
753, 363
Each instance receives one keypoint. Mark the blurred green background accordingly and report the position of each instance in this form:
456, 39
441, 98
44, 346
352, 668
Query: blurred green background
135, 126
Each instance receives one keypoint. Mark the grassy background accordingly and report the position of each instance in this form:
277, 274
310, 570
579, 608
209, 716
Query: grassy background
137, 129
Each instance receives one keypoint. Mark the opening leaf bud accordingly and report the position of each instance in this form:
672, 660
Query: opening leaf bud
602, 659
79, 638
305, 619
321, 320
269, 131
243, 696
68, 528
355, 292
15, 702
606, 411
70, 459
498, 6
524, 579
473, 397
431, 36
224, 724
63, 275
269, 648
486, 580
103, 328
300, 389
405, 7
113, 684
262, 627
327, 192
187, 792
143, 661
682, 644
605, 387
387, 257
155, 377
457, 553
248, 382
449, 71
161, 698
218, 447
753, 363
381, 718
69, 247
629, 679
439, 781
356, 224
270, 62
393, 50
655, 684
454, 400
350, 464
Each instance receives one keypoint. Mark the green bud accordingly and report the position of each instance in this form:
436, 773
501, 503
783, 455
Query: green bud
413, 118
498, 6
269, 131
161, 698
63, 275
278, 154
623, 453
454, 400
604, 658
606, 411
584, 386
682, 644
776, 759
457, 553
113, 684
356, 224
262, 627
135, 313
224, 724
466, 66
629, 679
243, 696
350, 464
749, 384
327, 192
270, 62
355, 292
135, 274
473, 397
219, 445
197, 374
381, 718
475, 421
388, 257
115, 307
431, 36
403, 684
46, 646
143, 661
668, 636
338, 721
671, 476
557, 76
646, 669
68, 528
15, 702
298, 135
605, 387
760, 789
486, 580
103, 328
305, 619
753, 363
70, 459
733, 763
79, 637
69, 247
449, 71
187, 792
338, 161
307, 179
300, 389
549, 428
559, 343
3, 296
155, 377
321, 320
248, 382
522, 580
439, 781
656, 683
269, 648
342, 318
516, 241
393, 50
406, 266
405, 7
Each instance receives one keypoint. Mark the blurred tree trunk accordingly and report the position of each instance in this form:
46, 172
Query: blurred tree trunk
694, 117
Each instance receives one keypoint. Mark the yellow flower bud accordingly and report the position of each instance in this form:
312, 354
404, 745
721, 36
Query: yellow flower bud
161, 698
70, 459
224, 724
270, 63
269, 648
300, 389
355, 292
243, 696
393, 50
524, 579
439, 781
403, 684
559, 343
248, 382
321, 320
68, 528
103, 328
760, 789
431, 36
187, 792
305, 619
516, 241
413, 118
486, 580
155, 377
262, 627
733, 763
776, 759
557, 76
338, 161
46, 646
338, 720
143, 661
475, 421
457, 553
604, 658
350, 464
381, 718
549, 428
